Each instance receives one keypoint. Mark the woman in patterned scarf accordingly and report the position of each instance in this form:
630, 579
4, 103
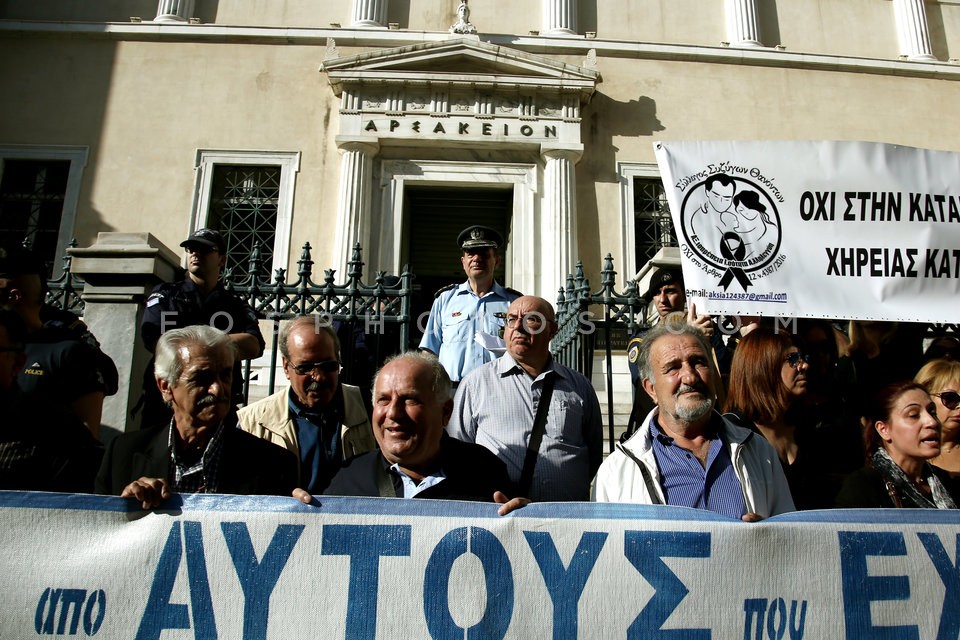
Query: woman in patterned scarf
902, 434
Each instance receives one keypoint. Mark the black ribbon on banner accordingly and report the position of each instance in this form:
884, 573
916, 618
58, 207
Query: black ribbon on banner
733, 248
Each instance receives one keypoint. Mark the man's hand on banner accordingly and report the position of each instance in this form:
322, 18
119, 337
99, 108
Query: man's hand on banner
702, 322
304, 496
149, 491
751, 517
507, 505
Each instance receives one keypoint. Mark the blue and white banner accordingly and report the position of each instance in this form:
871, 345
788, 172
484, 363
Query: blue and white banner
851, 230
243, 567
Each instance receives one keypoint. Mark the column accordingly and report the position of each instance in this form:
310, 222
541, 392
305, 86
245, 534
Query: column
558, 217
120, 270
174, 11
353, 207
743, 26
369, 14
559, 18
913, 33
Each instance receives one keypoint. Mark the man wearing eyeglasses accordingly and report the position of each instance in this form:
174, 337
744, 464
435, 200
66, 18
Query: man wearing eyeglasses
497, 406
200, 298
318, 418
461, 311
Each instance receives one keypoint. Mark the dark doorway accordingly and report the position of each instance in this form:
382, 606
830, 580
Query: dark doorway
434, 217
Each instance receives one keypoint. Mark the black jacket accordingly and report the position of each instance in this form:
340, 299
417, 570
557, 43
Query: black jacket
248, 465
472, 473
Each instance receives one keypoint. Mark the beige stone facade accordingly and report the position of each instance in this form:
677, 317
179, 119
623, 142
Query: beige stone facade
145, 109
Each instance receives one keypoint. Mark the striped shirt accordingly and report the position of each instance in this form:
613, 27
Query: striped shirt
686, 483
495, 407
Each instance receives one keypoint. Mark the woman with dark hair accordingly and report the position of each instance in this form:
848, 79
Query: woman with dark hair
768, 382
902, 435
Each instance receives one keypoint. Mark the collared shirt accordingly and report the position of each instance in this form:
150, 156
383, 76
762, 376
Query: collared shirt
199, 475
410, 487
496, 405
687, 483
456, 316
319, 436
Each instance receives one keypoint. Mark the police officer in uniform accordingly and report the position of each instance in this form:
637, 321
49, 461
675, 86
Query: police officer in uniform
199, 298
61, 368
459, 311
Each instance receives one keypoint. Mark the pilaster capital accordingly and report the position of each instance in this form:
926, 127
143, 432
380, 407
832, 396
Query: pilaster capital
364, 144
562, 151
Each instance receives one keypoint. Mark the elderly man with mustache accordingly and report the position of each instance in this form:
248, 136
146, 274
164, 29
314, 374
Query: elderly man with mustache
198, 451
319, 419
685, 453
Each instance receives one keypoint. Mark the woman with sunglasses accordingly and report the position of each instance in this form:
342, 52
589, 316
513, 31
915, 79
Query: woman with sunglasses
768, 383
942, 379
902, 435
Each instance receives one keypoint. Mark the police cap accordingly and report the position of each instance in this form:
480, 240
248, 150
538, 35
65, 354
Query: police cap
477, 237
661, 278
208, 238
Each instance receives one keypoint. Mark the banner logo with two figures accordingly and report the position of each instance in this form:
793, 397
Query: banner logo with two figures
732, 225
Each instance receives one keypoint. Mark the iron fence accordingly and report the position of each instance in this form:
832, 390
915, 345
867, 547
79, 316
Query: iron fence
65, 292
602, 319
373, 320
377, 317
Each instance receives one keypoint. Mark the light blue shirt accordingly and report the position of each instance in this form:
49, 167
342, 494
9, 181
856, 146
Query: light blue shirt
495, 407
456, 316
410, 487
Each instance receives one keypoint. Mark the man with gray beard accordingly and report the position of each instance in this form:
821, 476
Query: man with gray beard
685, 453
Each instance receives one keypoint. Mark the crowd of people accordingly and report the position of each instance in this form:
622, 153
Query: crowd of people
749, 419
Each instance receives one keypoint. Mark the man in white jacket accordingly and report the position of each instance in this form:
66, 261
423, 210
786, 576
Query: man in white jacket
685, 453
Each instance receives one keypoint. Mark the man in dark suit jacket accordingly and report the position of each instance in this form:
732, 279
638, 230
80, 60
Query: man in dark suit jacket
197, 452
415, 458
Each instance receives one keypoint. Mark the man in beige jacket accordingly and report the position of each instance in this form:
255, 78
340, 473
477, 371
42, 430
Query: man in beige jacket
319, 419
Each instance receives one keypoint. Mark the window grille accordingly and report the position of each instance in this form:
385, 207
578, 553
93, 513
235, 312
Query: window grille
32, 194
243, 206
653, 226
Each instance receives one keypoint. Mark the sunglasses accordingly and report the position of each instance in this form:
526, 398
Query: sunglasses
794, 359
325, 366
950, 399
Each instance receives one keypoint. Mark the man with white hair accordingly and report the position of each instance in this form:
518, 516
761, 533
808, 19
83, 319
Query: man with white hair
197, 451
415, 457
685, 453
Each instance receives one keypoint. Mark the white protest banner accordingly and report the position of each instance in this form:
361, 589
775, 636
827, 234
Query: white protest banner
850, 230
359, 568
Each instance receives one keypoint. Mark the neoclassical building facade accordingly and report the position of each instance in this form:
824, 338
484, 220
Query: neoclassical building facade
395, 124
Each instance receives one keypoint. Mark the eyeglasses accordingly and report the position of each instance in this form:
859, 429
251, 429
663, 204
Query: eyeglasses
794, 359
531, 322
950, 399
325, 366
